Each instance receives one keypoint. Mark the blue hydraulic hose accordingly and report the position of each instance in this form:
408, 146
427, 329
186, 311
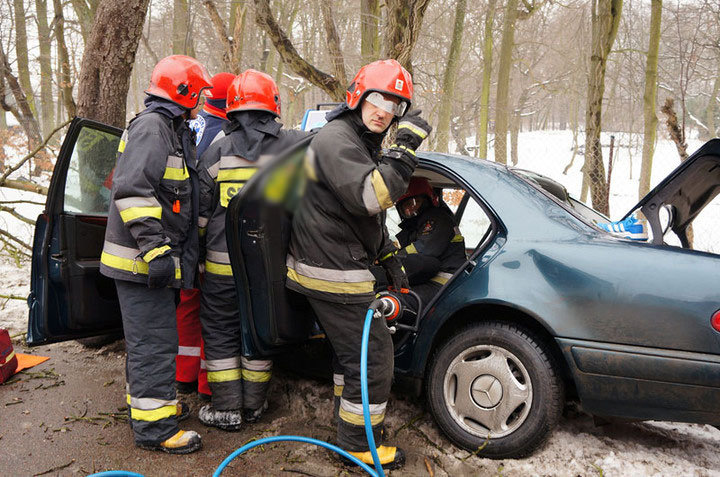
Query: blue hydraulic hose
378, 472
364, 391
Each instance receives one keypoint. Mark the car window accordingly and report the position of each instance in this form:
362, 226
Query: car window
473, 225
704, 234
89, 176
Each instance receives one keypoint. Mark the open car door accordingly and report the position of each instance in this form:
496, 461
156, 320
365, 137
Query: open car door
683, 194
68, 297
258, 233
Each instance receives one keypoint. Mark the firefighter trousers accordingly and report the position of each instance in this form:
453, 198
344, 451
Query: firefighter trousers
343, 325
151, 343
236, 382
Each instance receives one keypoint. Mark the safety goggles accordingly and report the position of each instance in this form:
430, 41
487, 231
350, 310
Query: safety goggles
378, 100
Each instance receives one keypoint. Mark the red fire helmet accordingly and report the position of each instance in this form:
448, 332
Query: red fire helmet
253, 90
180, 79
384, 76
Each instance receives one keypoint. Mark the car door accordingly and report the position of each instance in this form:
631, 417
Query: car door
676, 201
258, 232
69, 298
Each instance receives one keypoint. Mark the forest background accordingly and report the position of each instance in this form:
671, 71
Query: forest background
484, 71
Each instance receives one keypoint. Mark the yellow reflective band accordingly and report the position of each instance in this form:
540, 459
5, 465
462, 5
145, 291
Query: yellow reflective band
155, 252
354, 288
419, 132
359, 420
406, 149
128, 398
337, 390
228, 190
10, 356
202, 231
154, 415
178, 274
410, 249
439, 279
121, 146
176, 174
224, 376
387, 256
132, 213
218, 268
256, 376
457, 238
238, 174
135, 266
310, 170
381, 190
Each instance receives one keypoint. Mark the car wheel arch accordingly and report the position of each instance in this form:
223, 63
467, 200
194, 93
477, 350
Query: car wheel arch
475, 313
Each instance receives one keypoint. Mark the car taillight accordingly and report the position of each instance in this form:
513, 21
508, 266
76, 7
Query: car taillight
715, 320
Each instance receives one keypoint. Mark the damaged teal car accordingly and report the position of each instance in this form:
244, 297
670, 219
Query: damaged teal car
542, 310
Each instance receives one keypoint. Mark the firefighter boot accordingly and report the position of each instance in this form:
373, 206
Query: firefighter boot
254, 415
184, 442
227, 420
390, 457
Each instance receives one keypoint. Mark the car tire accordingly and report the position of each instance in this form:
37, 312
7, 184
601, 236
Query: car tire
515, 393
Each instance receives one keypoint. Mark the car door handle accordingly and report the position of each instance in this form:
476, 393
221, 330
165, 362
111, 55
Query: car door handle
258, 234
60, 257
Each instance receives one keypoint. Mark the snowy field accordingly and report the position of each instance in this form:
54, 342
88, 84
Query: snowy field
577, 447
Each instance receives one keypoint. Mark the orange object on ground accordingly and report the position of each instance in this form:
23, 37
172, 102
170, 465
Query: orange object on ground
26, 361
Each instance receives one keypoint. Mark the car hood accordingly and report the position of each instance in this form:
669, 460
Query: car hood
686, 190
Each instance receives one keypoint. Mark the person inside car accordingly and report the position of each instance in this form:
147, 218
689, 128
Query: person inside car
151, 246
338, 232
432, 247
239, 385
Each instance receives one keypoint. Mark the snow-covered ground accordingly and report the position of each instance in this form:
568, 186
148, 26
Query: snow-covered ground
577, 447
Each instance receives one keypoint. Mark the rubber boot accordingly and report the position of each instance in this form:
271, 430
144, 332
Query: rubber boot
254, 415
229, 420
184, 442
390, 457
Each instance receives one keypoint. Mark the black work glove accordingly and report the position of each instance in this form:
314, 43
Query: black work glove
161, 271
395, 272
412, 130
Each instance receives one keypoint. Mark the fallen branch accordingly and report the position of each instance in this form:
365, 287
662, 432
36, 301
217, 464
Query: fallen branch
14, 297
26, 186
16, 240
31, 202
32, 153
428, 466
54, 469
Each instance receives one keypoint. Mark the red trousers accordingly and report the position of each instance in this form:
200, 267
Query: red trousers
190, 360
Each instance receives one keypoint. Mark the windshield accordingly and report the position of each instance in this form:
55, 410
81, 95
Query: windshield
557, 192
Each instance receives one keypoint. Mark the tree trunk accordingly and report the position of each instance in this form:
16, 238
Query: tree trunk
181, 44
230, 57
515, 126
369, 37
650, 99
448, 86
502, 99
108, 60
65, 83
21, 111
482, 133
85, 11
333, 42
404, 20
712, 107
21, 52
46, 93
265, 20
605, 22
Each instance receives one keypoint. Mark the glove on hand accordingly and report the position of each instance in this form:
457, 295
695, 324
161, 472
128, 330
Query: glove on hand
412, 130
395, 272
161, 271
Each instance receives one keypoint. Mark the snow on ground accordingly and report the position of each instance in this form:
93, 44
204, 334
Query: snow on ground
577, 447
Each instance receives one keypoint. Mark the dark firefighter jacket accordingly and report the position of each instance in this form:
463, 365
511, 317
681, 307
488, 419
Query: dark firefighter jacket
154, 201
339, 228
250, 140
434, 233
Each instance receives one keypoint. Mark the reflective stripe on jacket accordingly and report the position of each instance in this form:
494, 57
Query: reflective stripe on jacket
153, 208
339, 228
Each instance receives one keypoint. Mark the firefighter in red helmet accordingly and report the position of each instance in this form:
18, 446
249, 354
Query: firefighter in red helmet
239, 384
151, 246
339, 231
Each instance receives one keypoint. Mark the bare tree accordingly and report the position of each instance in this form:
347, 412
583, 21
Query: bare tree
108, 60
650, 99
